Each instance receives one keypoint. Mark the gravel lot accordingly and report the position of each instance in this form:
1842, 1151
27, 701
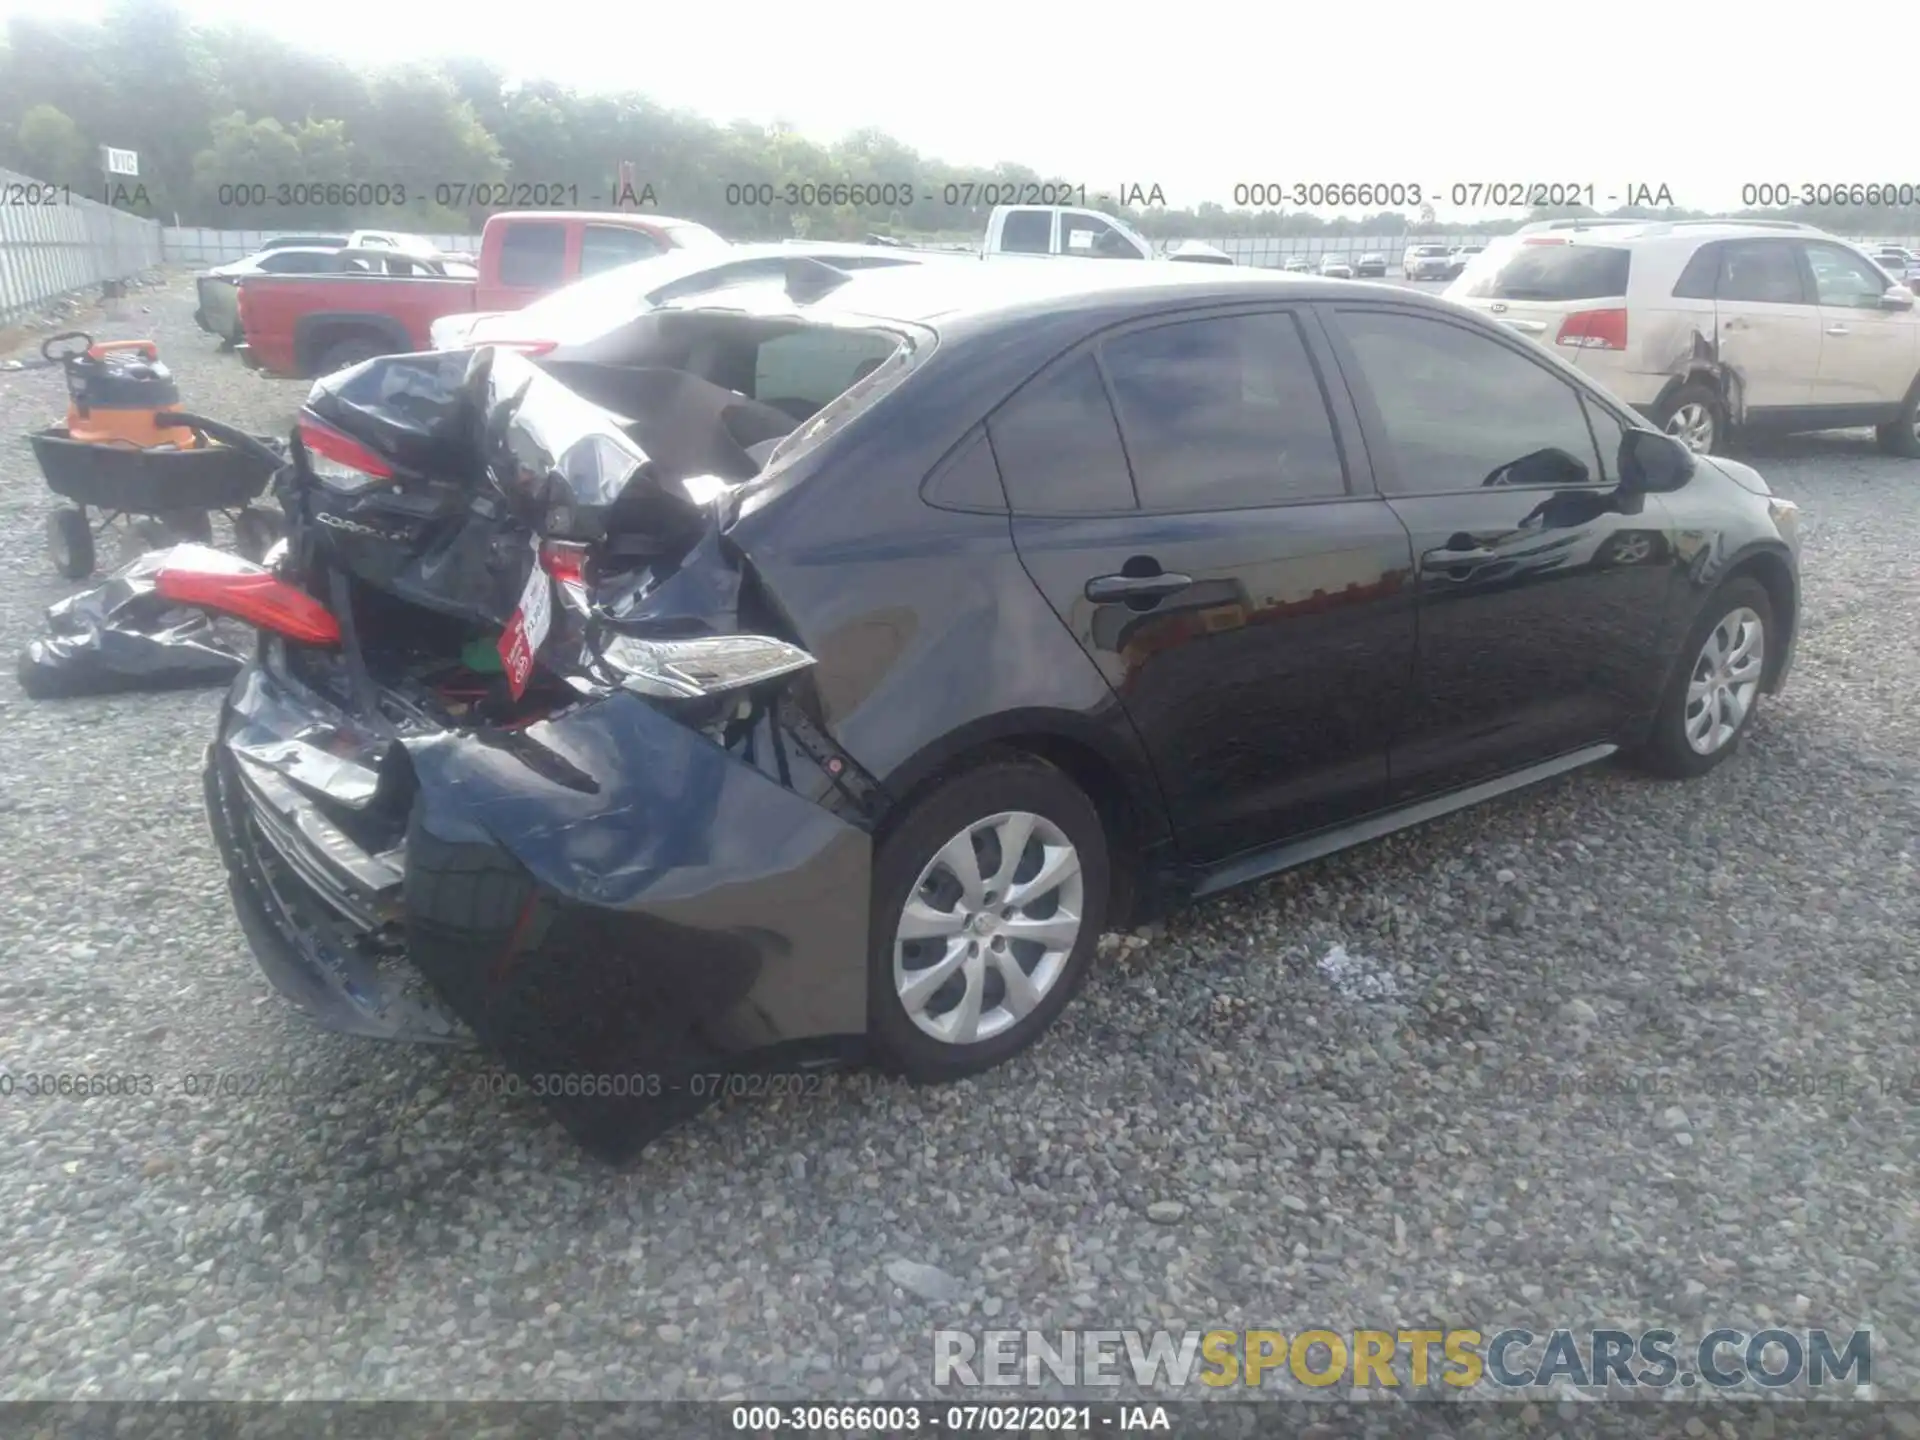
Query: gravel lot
1375, 1142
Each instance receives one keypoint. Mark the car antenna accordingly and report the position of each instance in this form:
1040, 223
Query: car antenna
809, 279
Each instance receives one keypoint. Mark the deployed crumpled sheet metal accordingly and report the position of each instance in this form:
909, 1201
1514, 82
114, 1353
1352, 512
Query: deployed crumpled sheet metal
122, 635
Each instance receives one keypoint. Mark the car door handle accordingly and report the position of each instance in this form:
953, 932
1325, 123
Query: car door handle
1838, 330
1106, 589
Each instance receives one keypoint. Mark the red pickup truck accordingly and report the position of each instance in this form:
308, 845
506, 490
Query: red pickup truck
307, 325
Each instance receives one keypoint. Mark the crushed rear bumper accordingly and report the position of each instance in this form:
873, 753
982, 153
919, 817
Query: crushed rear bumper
620, 910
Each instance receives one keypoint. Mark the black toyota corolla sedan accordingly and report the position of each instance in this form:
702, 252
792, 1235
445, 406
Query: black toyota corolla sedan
815, 673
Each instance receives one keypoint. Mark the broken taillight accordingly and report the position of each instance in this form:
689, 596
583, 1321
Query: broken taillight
211, 580
338, 461
567, 564
1594, 330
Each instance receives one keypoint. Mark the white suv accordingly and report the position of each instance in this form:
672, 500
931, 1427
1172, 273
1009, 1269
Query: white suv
1426, 262
1705, 326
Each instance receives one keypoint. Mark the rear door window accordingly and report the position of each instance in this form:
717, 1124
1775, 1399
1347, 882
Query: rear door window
1765, 272
602, 247
533, 254
1702, 272
1058, 445
1224, 413
1557, 272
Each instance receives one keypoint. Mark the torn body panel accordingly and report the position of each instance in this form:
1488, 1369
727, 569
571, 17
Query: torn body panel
613, 904
1683, 348
123, 634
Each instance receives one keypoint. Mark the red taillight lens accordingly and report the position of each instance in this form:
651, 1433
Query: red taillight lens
235, 587
565, 563
1594, 330
1546, 240
339, 460
525, 347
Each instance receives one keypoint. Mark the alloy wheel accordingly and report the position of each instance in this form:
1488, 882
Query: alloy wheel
1726, 677
1692, 424
988, 927
1632, 549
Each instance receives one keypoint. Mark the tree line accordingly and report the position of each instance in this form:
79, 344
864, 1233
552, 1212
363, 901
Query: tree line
238, 130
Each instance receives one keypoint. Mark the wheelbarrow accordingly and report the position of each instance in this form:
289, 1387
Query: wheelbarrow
128, 451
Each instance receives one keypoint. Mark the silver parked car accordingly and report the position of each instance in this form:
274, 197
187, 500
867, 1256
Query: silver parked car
571, 322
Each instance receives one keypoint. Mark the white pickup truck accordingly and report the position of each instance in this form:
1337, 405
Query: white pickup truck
1067, 230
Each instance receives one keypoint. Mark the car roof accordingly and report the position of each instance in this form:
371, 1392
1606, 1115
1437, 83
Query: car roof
989, 295
1629, 232
279, 250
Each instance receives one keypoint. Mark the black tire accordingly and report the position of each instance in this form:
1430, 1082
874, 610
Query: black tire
1696, 393
351, 351
1902, 437
1666, 751
254, 533
1010, 783
70, 543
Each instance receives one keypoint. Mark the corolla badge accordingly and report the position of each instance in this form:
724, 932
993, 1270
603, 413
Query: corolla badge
335, 522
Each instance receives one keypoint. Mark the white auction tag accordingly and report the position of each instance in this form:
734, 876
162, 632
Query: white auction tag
520, 641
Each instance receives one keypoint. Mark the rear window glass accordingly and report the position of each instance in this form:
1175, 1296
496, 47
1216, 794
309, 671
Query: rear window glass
1556, 272
802, 371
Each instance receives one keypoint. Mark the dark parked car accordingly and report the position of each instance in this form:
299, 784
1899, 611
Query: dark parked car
683, 746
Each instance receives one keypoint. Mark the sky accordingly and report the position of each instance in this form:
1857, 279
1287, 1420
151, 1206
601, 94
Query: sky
1199, 99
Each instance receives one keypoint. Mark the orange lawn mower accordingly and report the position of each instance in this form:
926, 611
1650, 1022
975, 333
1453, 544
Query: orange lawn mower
128, 449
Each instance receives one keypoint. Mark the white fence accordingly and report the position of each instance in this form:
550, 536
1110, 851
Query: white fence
53, 243
189, 245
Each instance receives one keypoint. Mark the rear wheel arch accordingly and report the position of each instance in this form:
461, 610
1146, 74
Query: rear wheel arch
1130, 812
1723, 382
317, 334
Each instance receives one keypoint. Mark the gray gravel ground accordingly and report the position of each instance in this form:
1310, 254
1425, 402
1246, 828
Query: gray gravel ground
1398, 1136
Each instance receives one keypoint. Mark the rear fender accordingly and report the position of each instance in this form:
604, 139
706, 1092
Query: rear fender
609, 894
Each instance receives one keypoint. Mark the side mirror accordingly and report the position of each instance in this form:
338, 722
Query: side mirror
1653, 463
1897, 297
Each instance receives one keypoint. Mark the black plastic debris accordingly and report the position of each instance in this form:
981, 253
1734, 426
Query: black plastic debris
122, 635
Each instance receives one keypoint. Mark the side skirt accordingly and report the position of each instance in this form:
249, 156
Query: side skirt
1242, 869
